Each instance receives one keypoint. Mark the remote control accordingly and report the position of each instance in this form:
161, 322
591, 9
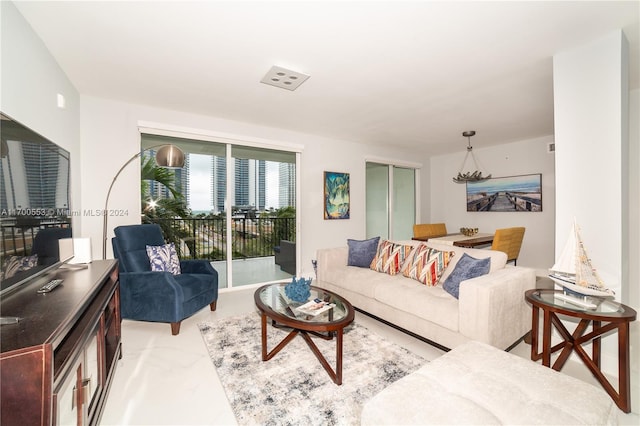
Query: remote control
49, 286
9, 320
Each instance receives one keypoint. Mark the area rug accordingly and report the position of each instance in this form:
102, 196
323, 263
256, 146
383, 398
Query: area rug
292, 388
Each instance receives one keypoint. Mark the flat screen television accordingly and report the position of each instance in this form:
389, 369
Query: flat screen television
34, 204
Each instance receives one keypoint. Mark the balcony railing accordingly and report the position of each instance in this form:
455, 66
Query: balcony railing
198, 238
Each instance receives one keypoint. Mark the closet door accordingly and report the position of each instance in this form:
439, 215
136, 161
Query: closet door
391, 201
377, 176
404, 203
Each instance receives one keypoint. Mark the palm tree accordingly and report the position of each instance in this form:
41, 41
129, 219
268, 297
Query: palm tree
150, 171
163, 210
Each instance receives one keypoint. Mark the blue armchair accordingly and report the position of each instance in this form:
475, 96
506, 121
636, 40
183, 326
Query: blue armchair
159, 296
45, 244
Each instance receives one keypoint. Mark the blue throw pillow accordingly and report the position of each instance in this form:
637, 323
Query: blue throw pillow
362, 252
467, 267
164, 258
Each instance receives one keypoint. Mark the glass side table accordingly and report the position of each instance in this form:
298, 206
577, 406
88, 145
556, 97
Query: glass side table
608, 315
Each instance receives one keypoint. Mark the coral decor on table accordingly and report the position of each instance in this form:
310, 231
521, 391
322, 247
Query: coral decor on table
298, 289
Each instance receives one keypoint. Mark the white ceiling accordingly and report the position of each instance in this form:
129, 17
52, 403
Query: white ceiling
413, 74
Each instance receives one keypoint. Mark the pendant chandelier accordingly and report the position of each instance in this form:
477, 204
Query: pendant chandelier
475, 176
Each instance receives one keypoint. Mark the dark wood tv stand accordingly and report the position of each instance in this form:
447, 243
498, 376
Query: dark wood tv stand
57, 362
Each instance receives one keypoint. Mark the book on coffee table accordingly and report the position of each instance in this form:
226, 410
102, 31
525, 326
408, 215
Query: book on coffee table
313, 307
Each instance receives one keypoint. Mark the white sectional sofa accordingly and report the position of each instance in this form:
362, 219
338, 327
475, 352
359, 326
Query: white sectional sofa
490, 309
476, 384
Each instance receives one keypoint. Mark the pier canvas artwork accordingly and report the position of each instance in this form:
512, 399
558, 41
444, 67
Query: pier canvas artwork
506, 194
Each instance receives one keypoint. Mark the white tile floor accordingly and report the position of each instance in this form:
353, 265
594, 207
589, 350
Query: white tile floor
169, 380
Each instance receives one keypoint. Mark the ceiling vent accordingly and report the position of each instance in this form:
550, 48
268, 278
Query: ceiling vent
284, 78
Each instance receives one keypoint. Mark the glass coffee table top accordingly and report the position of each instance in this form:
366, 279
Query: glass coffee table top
605, 307
274, 298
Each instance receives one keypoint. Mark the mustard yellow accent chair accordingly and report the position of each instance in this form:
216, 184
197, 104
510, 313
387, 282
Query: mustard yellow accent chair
429, 230
509, 240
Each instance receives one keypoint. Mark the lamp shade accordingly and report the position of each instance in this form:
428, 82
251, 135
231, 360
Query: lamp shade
170, 156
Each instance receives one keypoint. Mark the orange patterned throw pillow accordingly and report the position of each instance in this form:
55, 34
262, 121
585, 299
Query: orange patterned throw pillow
390, 257
427, 264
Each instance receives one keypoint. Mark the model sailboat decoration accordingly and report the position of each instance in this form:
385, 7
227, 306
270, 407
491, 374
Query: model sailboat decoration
574, 272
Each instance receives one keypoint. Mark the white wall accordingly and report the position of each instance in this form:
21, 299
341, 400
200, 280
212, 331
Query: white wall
448, 199
632, 296
588, 92
30, 82
596, 173
109, 135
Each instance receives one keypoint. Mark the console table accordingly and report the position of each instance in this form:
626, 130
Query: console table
57, 362
615, 316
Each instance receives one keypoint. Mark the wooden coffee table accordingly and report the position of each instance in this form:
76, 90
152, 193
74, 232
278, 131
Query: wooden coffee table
272, 303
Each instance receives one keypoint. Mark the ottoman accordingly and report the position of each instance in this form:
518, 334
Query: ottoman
478, 384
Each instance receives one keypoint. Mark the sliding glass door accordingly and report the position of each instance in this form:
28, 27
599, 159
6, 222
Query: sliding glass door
263, 215
391, 201
404, 203
377, 200
231, 204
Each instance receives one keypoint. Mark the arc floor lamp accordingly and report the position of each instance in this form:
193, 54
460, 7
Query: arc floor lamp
169, 156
